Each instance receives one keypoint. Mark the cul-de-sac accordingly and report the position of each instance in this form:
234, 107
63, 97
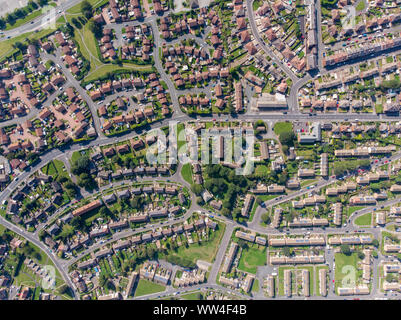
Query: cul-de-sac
200, 150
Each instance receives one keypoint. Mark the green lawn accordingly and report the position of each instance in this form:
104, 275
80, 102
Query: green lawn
77, 154
255, 286
181, 141
256, 4
342, 261
186, 172
379, 108
281, 127
360, 6
53, 168
205, 251
147, 287
193, 296
364, 220
267, 197
251, 258
106, 68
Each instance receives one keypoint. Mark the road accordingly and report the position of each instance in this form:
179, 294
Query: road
41, 21
270, 53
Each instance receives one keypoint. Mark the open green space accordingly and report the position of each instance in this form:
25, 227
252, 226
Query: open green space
281, 127
186, 172
255, 286
205, 250
364, 220
104, 69
193, 296
55, 168
348, 263
147, 287
251, 258
352, 209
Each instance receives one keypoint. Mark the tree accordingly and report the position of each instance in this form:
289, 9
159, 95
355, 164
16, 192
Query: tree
287, 251
391, 278
136, 203
63, 289
375, 243
81, 165
345, 249
42, 234
3, 23
197, 189
95, 28
199, 201
266, 218
104, 212
225, 212
76, 23
33, 4
287, 138
87, 9
102, 279
361, 255
86, 181
243, 244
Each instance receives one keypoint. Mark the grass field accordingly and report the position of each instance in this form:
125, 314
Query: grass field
147, 287
251, 258
77, 8
281, 127
193, 296
352, 209
186, 172
206, 251
106, 68
342, 261
77, 154
280, 281
55, 167
364, 220
181, 141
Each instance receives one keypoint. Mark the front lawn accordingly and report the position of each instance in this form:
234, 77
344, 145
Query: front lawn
186, 172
